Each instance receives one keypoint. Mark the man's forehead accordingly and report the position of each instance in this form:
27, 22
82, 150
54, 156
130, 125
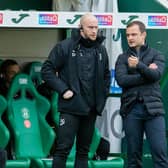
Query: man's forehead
89, 18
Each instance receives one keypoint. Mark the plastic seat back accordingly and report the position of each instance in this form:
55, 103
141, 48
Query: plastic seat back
4, 132
27, 109
34, 71
164, 88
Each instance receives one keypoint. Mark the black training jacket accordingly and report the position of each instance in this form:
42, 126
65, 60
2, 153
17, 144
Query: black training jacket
63, 59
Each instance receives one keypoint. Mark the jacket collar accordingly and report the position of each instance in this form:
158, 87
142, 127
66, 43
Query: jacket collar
75, 35
132, 50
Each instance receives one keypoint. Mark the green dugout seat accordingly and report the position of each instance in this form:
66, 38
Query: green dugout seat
25, 163
116, 162
4, 132
34, 71
5, 136
164, 90
32, 136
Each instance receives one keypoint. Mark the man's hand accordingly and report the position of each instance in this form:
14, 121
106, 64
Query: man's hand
132, 61
68, 94
153, 66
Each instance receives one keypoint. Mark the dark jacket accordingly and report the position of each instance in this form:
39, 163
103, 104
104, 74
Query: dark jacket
63, 59
140, 82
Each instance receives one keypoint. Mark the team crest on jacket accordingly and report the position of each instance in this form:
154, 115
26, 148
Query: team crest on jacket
73, 53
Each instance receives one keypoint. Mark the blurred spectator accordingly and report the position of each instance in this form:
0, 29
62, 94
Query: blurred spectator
8, 69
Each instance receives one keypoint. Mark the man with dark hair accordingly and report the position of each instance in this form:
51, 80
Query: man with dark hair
138, 72
8, 69
82, 83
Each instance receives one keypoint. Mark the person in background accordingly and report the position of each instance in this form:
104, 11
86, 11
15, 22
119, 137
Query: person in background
138, 72
8, 69
82, 83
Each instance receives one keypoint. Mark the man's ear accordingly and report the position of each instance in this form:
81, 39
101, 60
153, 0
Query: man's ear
80, 27
144, 35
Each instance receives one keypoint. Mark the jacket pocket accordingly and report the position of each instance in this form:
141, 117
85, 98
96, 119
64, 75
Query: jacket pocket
76, 105
127, 102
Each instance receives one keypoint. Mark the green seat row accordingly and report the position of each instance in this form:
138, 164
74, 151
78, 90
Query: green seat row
32, 137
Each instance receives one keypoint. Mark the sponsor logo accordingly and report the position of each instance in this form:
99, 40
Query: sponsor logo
164, 3
130, 19
157, 20
37, 69
105, 19
1, 18
73, 53
27, 123
20, 18
117, 36
48, 19
74, 19
114, 88
102, 19
115, 118
62, 122
25, 113
23, 81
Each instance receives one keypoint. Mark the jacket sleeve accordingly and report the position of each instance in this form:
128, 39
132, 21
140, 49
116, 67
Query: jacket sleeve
51, 66
107, 75
123, 77
149, 74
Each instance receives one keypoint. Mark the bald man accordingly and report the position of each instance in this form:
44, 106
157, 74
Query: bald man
82, 83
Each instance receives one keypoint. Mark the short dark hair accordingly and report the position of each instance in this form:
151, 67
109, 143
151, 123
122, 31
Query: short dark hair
140, 24
5, 64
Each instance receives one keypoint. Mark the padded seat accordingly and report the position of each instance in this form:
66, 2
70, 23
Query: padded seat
116, 162
18, 164
69, 163
26, 112
164, 88
4, 132
5, 136
34, 71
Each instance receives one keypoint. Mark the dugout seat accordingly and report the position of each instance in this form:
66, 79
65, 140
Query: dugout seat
26, 112
4, 132
34, 71
164, 88
5, 136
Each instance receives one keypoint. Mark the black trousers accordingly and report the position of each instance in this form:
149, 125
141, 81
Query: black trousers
3, 157
71, 127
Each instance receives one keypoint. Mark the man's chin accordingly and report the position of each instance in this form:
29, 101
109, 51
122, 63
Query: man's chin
132, 46
93, 39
